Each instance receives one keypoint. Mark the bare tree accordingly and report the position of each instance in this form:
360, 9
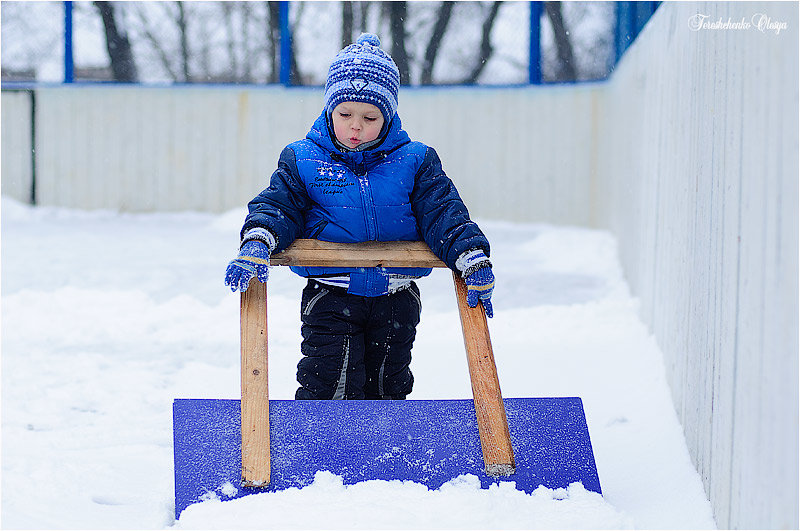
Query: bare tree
295, 76
156, 44
184, 39
347, 23
245, 9
233, 59
432, 50
119, 47
565, 69
397, 24
273, 39
486, 48
364, 15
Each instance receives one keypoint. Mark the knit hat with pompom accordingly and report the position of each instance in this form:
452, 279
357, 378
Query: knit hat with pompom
363, 72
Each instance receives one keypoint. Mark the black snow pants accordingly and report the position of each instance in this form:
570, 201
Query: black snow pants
356, 347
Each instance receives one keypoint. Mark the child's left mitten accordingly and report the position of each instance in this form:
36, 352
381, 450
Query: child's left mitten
480, 285
253, 260
477, 272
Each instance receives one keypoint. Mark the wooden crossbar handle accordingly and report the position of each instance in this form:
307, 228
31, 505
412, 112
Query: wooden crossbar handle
498, 455
310, 253
255, 386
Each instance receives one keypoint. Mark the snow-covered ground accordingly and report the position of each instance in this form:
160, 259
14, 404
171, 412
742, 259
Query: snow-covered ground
107, 317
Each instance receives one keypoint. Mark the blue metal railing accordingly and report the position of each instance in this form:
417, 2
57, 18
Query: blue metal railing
631, 18
69, 57
535, 56
286, 45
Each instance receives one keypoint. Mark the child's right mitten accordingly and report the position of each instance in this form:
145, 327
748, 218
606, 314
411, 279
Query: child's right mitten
253, 260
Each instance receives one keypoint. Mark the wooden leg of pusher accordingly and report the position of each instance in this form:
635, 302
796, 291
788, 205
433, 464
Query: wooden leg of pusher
498, 455
255, 386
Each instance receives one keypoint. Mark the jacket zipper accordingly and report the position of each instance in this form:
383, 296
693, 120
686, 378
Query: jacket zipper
369, 205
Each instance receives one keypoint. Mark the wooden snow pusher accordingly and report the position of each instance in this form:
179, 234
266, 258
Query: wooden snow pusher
239, 447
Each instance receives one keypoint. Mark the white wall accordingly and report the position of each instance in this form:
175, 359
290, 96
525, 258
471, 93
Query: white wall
199, 148
142, 149
698, 179
16, 169
519, 154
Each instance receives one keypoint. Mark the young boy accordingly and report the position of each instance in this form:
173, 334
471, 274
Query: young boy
358, 177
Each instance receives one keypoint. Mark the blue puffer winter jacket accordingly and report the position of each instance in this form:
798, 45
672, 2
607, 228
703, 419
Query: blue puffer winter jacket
396, 190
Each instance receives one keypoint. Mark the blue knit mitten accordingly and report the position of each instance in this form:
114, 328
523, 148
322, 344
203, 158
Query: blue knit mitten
253, 260
479, 287
477, 272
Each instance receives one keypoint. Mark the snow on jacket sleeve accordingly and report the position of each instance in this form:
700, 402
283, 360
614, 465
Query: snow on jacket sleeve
442, 216
280, 208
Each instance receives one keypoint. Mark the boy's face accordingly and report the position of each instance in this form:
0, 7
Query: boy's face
355, 123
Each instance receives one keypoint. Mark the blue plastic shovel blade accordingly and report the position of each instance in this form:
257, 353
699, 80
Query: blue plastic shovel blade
426, 441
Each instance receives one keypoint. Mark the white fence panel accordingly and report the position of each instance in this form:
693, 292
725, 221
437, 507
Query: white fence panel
17, 167
520, 154
523, 154
705, 206
147, 149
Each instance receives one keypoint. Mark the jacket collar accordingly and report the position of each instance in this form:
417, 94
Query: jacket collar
321, 133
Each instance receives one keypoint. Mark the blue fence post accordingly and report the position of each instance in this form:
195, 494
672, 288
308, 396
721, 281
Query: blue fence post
631, 19
286, 44
535, 55
622, 34
644, 10
69, 60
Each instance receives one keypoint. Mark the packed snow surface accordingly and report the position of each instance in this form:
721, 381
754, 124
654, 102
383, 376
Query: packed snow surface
108, 317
